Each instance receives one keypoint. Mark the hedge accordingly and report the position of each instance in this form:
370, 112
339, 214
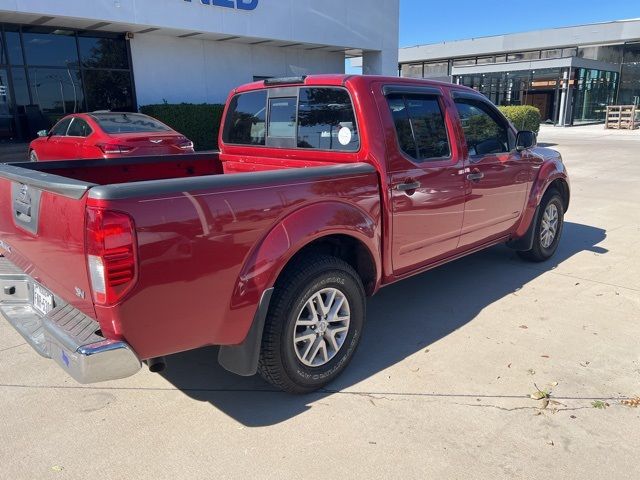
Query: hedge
200, 123
523, 117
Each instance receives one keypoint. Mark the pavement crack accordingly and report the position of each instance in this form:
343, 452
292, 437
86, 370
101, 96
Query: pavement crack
11, 348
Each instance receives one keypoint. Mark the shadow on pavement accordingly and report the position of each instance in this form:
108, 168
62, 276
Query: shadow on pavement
402, 319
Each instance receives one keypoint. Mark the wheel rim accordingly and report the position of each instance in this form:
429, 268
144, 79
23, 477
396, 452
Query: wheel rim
550, 222
33, 157
321, 327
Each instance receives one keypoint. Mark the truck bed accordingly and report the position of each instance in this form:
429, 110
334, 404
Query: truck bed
203, 238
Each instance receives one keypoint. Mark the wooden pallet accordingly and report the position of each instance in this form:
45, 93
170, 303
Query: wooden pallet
622, 117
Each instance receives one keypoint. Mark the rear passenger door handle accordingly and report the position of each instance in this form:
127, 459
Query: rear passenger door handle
475, 177
407, 187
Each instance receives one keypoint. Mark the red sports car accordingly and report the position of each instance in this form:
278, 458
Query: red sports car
107, 135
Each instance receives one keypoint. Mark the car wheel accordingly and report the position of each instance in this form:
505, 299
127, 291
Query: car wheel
33, 156
548, 228
314, 324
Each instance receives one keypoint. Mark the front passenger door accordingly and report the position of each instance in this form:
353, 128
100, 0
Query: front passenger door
496, 176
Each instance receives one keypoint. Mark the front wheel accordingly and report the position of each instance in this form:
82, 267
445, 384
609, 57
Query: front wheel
314, 324
33, 156
548, 228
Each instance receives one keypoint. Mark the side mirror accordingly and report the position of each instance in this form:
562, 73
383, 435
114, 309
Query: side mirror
43, 133
526, 139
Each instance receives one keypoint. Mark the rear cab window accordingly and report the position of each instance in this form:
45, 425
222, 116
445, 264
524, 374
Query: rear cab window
309, 118
114, 123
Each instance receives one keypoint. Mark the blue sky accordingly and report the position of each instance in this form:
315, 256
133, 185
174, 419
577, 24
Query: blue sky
426, 21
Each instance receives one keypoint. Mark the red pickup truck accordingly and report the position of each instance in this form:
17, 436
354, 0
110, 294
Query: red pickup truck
325, 189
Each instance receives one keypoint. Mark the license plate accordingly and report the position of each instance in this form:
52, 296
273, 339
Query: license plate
42, 300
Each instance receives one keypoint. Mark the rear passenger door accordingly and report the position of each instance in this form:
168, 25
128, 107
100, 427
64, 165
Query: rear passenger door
71, 145
425, 176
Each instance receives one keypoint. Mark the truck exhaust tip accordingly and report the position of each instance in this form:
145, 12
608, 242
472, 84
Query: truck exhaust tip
156, 365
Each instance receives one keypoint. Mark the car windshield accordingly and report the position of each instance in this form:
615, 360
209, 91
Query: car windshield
129, 123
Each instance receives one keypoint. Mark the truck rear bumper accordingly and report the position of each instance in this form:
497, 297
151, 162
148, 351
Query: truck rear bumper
64, 334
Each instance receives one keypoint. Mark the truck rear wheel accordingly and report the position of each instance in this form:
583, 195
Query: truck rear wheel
548, 228
314, 324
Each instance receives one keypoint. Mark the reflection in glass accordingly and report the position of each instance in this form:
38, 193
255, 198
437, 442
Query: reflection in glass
6, 115
103, 52
630, 83
14, 47
245, 122
326, 120
595, 89
57, 92
56, 49
108, 90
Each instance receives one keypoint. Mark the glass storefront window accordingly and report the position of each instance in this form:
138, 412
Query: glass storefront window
630, 81
14, 48
20, 87
555, 53
521, 56
61, 72
108, 90
485, 60
594, 90
610, 54
413, 70
436, 69
55, 49
57, 91
461, 62
103, 53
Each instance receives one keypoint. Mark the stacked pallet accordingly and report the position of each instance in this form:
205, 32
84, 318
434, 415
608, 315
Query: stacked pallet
622, 116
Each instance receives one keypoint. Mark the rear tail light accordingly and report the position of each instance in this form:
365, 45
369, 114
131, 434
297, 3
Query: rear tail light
111, 254
186, 144
111, 148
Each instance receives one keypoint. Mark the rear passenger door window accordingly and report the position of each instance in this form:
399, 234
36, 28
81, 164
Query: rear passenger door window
420, 127
79, 128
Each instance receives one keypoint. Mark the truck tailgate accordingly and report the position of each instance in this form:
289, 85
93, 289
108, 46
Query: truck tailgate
42, 224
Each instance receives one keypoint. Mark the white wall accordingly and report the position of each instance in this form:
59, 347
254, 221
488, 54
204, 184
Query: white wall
358, 24
200, 71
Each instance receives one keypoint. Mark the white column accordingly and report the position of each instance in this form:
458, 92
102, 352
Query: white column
380, 63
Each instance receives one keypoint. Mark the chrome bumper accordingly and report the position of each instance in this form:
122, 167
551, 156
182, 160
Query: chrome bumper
65, 334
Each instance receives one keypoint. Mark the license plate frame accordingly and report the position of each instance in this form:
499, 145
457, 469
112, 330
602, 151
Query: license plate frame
42, 299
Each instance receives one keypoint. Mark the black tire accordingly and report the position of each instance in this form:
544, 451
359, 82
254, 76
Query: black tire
538, 252
279, 364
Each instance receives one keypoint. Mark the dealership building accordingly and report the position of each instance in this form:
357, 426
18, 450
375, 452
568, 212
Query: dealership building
58, 58
571, 74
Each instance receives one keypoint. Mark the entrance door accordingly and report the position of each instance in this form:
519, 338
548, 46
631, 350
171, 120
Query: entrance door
425, 176
7, 123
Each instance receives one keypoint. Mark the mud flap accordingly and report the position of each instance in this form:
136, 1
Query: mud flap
243, 359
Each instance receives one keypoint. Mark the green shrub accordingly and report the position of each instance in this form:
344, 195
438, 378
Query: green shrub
523, 117
200, 123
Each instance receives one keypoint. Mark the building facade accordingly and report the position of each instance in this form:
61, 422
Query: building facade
63, 57
571, 74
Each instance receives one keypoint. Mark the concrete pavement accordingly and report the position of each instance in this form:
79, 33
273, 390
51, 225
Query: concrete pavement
440, 387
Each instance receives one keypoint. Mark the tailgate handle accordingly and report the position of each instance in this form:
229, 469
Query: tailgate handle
22, 208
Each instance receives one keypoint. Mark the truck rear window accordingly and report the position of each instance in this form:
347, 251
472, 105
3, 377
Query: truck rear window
245, 122
320, 118
113, 123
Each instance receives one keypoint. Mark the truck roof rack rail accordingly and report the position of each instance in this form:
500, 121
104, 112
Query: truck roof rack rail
285, 80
